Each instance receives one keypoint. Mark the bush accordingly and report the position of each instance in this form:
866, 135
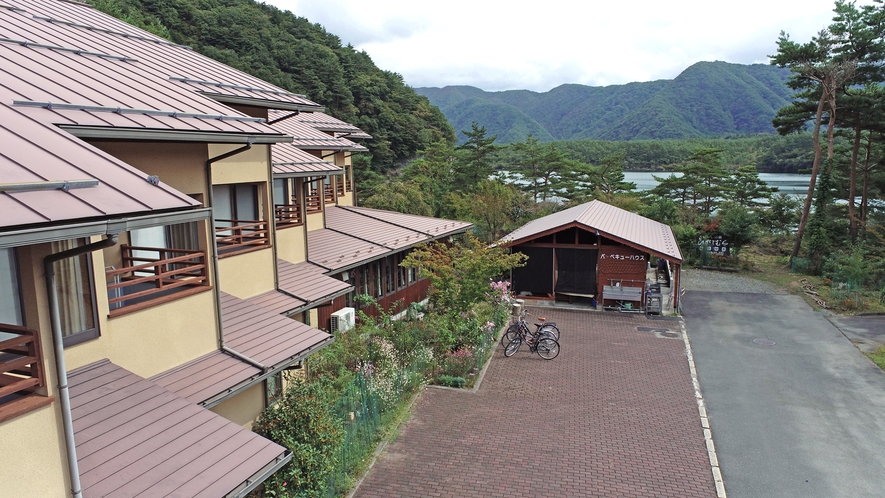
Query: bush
302, 422
458, 363
451, 381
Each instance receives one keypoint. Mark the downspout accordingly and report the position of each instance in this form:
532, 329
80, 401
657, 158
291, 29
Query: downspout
211, 203
58, 344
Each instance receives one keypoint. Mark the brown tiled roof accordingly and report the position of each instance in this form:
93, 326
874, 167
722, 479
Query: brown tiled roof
267, 337
308, 137
101, 78
432, 227
289, 161
135, 438
207, 376
354, 222
277, 301
335, 251
324, 122
308, 281
355, 235
33, 152
609, 221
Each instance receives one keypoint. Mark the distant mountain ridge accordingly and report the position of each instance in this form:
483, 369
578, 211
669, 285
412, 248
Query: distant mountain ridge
707, 99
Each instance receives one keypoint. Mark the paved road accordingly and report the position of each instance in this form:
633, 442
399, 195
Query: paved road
613, 416
802, 418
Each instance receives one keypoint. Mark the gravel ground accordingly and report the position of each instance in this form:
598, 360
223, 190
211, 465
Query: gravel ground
718, 281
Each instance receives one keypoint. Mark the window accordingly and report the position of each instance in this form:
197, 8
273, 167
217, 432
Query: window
76, 295
10, 290
274, 385
390, 274
379, 278
364, 280
401, 270
235, 202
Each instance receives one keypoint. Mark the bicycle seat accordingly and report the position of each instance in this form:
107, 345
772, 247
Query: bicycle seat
545, 323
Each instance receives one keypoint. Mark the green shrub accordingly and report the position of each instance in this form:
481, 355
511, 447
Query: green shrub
451, 381
302, 422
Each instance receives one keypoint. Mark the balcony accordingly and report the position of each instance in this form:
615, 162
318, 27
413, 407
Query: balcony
328, 193
241, 236
288, 215
21, 371
339, 186
313, 203
152, 276
349, 185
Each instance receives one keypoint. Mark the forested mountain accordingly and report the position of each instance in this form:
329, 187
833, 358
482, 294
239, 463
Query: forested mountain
707, 99
291, 52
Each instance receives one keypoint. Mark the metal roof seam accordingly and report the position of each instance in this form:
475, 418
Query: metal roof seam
77, 51
236, 87
102, 30
124, 110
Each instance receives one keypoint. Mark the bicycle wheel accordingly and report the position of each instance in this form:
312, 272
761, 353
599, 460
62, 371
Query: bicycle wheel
513, 347
548, 348
549, 330
511, 333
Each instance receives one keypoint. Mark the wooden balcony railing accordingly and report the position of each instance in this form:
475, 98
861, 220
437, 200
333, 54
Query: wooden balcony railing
152, 276
313, 203
241, 236
350, 185
339, 186
21, 367
288, 215
328, 193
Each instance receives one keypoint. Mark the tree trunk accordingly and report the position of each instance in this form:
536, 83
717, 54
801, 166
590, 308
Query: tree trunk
852, 185
815, 167
866, 185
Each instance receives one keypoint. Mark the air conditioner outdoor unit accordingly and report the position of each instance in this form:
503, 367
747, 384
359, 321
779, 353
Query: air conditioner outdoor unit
343, 319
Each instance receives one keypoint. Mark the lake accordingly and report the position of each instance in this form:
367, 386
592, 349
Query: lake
788, 183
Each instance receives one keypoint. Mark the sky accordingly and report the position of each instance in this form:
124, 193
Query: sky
509, 45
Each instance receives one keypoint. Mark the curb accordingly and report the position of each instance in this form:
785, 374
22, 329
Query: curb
705, 422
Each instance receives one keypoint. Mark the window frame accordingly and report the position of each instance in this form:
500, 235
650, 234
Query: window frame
95, 331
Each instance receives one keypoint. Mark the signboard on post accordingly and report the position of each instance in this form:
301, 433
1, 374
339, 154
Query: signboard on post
716, 245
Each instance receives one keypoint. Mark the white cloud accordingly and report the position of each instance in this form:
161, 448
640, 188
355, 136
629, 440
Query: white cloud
499, 45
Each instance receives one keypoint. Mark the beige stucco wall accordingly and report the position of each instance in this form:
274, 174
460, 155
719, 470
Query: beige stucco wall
244, 408
292, 244
246, 167
153, 340
346, 199
33, 461
315, 221
247, 274
179, 164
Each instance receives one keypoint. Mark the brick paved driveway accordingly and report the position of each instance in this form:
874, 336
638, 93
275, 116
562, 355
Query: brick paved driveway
613, 415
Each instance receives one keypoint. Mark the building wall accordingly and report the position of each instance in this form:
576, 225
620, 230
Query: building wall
35, 464
244, 408
621, 263
178, 164
152, 340
247, 274
249, 166
292, 244
315, 221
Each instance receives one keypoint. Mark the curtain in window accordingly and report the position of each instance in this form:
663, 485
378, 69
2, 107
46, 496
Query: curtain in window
75, 303
576, 270
10, 296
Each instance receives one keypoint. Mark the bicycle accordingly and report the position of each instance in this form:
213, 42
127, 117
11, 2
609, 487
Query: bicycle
541, 341
513, 330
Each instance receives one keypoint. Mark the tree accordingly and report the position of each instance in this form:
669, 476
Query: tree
402, 197
459, 273
818, 71
302, 422
490, 208
474, 158
747, 189
529, 163
738, 225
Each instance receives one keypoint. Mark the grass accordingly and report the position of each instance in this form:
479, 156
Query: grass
878, 357
768, 261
